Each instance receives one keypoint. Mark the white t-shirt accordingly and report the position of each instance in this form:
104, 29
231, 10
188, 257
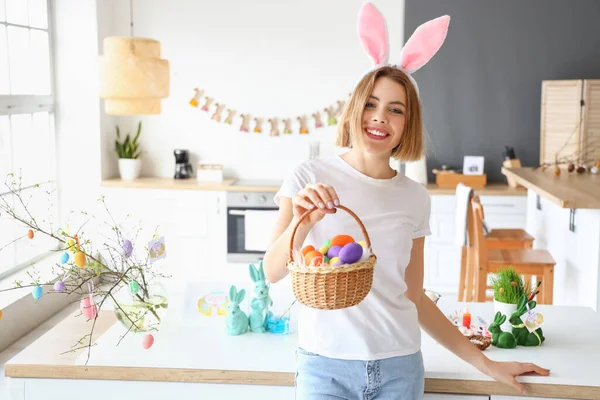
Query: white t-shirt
394, 212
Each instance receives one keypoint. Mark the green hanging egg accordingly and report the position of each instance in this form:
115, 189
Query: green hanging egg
134, 287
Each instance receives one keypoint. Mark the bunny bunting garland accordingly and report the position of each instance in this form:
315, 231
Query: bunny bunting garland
424, 43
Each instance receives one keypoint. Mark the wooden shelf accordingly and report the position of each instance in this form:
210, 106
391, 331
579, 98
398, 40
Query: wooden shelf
567, 190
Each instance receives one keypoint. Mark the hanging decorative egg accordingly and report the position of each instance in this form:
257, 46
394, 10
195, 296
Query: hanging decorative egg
64, 257
0, 315
148, 341
37, 292
89, 309
59, 286
30, 234
128, 247
79, 259
134, 287
71, 245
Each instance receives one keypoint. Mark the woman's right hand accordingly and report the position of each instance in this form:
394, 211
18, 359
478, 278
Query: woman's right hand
319, 195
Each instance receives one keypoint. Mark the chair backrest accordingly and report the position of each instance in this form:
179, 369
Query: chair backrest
475, 231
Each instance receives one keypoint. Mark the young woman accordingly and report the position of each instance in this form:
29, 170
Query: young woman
372, 350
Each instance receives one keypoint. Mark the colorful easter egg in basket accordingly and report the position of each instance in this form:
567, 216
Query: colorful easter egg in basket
334, 251
351, 253
313, 257
335, 261
341, 240
307, 249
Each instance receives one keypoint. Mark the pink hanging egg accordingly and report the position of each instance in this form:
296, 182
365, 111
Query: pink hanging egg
89, 309
148, 341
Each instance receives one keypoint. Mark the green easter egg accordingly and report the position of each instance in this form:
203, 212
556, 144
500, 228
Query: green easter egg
328, 243
134, 287
326, 259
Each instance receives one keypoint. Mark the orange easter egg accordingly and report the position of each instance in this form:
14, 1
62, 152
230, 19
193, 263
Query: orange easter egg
30, 234
313, 256
308, 248
341, 240
0, 315
79, 259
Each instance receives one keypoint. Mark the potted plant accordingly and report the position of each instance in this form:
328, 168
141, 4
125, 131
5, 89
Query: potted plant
128, 152
508, 289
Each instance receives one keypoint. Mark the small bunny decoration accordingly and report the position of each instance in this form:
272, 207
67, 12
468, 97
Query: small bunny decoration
503, 340
236, 320
261, 302
230, 114
317, 117
331, 120
303, 124
274, 127
519, 330
218, 111
245, 122
287, 123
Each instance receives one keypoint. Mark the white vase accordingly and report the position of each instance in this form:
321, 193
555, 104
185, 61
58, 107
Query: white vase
129, 168
505, 309
417, 170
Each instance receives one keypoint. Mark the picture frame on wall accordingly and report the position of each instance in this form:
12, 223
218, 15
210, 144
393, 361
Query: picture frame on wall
473, 165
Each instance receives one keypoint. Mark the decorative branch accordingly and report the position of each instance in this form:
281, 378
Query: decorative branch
120, 271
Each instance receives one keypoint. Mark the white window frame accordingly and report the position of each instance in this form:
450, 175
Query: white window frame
31, 104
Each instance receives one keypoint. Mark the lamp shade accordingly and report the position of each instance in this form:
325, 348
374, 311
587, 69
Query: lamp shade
133, 77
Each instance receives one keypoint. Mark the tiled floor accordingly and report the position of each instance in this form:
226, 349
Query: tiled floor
26, 341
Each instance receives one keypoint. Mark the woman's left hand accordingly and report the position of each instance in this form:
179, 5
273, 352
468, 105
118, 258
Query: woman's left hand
506, 372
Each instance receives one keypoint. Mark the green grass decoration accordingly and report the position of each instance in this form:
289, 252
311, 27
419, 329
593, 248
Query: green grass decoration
508, 286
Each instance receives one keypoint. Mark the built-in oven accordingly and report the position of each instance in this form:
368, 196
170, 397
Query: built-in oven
251, 218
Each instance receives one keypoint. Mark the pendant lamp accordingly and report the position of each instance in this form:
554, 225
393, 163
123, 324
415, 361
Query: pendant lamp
133, 77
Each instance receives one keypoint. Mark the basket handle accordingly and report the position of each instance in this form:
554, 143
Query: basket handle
307, 212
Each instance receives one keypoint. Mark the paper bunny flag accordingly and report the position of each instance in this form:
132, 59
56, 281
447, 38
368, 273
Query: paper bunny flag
418, 50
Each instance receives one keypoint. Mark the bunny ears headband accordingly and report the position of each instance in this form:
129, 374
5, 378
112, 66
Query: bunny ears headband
418, 50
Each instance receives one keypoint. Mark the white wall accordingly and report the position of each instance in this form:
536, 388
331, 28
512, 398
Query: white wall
266, 58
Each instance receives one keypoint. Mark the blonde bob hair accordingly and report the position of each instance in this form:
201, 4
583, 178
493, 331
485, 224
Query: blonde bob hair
411, 146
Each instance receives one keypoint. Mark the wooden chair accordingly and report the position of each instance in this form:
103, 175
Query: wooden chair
496, 239
526, 262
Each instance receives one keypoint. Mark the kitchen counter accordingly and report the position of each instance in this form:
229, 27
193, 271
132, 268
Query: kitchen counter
567, 190
191, 361
230, 185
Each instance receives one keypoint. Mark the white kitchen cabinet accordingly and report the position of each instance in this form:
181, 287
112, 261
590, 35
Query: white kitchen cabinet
577, 254
191, 221
442, 255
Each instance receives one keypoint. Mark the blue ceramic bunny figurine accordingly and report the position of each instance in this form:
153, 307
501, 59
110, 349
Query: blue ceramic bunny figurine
261, 302
236, 320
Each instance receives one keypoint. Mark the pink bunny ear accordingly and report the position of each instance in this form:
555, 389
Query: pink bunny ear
424, 43
372, 32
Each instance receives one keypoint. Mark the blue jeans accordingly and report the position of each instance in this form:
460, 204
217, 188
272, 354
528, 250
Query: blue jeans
322, 378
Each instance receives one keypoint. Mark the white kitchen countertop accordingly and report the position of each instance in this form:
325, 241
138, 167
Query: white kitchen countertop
198, 350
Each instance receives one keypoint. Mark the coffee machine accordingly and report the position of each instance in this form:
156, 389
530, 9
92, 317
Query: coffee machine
183, 169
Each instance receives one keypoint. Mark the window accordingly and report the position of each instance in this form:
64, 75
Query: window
26, 128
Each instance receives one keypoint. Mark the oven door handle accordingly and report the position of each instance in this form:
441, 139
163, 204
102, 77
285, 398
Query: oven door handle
237, 212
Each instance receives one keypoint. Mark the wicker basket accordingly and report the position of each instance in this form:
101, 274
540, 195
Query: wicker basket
332, 287
480, 341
